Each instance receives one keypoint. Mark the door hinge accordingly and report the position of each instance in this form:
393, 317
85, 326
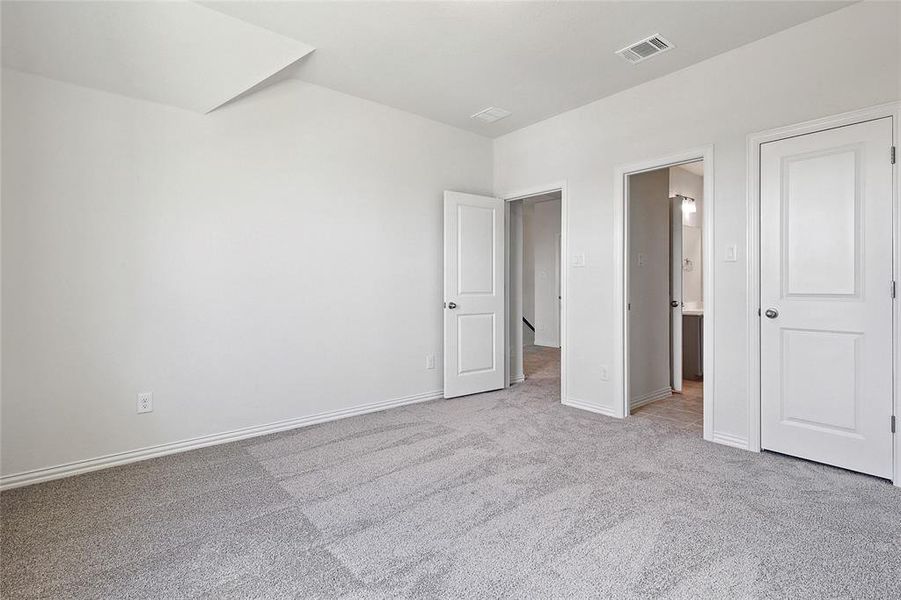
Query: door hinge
894, 289
758, 311
894, 151
893, 423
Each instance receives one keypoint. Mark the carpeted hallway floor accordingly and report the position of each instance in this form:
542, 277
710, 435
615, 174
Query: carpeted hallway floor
506, 494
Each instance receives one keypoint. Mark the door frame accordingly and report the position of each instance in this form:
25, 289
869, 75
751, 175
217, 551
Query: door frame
754, 141
621, 279
676, 225
522, 194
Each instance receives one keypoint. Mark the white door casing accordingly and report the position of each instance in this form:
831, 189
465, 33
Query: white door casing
826, 245
474, 261
676, 292
558, 274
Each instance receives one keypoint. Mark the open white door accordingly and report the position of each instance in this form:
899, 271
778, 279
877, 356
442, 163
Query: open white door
826, 296
676, 291
473, 294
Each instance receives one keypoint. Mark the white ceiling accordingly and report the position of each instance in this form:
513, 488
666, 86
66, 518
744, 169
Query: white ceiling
442, 60
176, 53
449, 60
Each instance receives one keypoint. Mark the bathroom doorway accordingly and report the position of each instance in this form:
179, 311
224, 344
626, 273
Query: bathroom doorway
665, 305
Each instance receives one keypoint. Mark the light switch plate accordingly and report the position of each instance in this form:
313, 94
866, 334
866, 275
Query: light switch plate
641, 259
731, 253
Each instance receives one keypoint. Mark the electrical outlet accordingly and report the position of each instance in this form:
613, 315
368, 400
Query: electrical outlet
429, 361
605, 375
145, 402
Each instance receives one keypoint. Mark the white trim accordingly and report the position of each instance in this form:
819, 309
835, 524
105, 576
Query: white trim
588, 406
650, 397
754, 141
730, 440
518, 379
564, 263
508, 371
121, 458
621, 283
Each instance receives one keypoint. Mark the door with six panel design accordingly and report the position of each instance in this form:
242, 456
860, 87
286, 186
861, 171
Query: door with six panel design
474, 299
826, 301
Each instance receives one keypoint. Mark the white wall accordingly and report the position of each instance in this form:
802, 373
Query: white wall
692, 272
546, 230
148, 248
275, 259
649, 285
776, 81
540, 270
691, 185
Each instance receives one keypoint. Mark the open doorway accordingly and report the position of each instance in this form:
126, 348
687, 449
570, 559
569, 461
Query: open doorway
484, 341
665, 305
536, 275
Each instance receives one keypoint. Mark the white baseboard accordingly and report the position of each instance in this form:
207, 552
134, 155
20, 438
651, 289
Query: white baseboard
518, 379
650, 397
121, 458
595, 408
730, 440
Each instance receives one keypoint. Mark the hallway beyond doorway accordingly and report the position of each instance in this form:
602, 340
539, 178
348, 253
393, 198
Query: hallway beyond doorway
541, 362
686, 408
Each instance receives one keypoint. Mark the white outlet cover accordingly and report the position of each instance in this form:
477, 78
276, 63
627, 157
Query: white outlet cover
578, 260
145, 402
605, 375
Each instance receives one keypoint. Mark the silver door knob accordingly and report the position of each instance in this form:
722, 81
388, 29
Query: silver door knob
771, 313
674, 303
452, 305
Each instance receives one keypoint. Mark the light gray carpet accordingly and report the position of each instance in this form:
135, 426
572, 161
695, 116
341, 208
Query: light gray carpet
507, 494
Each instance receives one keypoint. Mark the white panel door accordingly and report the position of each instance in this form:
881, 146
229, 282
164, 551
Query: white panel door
825, 275
473, 294
676, 292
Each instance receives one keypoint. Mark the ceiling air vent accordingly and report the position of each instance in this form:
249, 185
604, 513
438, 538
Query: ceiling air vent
645, 49
492, 114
